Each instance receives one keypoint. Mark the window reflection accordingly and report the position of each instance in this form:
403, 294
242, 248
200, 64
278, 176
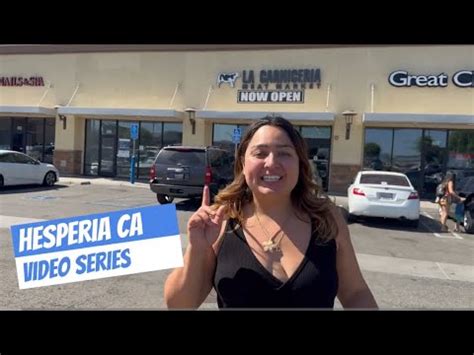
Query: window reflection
222, 135
318, 140
91, 166
378, 149
424, 155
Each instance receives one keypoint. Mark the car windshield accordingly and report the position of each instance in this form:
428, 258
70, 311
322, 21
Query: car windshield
383, 179
189, 157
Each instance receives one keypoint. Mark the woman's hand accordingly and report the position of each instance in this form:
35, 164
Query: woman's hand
205, 224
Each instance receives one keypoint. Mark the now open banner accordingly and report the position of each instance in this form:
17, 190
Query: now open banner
97, 246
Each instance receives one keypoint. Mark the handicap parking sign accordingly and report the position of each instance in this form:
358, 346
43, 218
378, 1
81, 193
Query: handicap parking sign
134, 131
237, 134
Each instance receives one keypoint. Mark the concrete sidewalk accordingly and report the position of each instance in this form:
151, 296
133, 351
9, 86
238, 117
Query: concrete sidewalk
91, 180
87, 180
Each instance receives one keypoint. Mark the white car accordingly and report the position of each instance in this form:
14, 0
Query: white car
384, 194
20, 169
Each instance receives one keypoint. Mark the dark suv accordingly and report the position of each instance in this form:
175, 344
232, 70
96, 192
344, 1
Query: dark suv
182, 171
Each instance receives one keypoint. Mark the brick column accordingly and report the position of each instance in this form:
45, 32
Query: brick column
342, 176
68, 161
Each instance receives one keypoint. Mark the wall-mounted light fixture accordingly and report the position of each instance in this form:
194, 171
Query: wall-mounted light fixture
63, 119
192, 118
348, 116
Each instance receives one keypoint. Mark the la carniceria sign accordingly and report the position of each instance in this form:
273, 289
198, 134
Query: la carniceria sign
272, 85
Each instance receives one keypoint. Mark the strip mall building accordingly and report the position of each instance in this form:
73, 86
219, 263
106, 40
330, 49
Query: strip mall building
401, 108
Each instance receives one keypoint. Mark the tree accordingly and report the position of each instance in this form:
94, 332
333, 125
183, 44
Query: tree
372, 150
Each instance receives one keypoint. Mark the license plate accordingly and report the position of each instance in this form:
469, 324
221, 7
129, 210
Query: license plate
179, 176
385, 195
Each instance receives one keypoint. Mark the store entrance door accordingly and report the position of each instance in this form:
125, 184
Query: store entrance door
108, 148
19, 134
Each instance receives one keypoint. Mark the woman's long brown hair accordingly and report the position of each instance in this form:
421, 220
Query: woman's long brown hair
305, 196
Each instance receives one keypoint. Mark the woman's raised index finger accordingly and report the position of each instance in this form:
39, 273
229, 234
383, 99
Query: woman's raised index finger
205, 196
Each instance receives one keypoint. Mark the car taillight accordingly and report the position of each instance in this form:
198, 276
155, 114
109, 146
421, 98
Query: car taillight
152, 172
413, 196
357, 191
208, 176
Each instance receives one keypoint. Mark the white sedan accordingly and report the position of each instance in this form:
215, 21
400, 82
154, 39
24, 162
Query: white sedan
384, 194
20, 169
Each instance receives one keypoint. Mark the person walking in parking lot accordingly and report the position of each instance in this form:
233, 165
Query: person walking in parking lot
448, 197
269, 241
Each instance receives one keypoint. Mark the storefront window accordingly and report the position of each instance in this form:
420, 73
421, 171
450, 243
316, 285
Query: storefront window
111, 142
172, 133
49, 135
34, 138
18, 134
407, 145
91, 166
222, 135
124, 149
378, 149
433, 159
318, 140
422, 154
150, 145
5, 133
461, 153
30, 135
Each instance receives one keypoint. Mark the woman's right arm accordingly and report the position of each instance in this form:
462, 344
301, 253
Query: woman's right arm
188, 286
453, 193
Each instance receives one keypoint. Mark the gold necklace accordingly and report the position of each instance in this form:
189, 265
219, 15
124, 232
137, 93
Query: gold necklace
272, 245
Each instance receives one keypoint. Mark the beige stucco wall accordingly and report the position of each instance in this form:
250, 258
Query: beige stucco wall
149, 80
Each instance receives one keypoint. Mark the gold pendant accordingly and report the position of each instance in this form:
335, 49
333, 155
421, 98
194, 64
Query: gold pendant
270, 246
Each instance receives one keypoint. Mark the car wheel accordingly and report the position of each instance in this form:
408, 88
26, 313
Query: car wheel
1, 181
468, 222
49, 179
164, 199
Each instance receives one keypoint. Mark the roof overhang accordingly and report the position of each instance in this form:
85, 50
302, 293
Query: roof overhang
114, 112
28, 110
255, 115
417, 118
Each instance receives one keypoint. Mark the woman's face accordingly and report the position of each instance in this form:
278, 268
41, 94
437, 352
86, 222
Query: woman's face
271, 165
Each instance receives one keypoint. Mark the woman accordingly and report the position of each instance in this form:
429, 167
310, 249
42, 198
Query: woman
269, 241
449, 197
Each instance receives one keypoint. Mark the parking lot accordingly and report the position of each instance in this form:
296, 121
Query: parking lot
406, 268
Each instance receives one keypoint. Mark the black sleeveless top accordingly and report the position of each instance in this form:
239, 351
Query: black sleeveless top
241, 281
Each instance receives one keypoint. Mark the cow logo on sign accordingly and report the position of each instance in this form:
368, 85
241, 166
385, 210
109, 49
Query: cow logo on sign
228, 78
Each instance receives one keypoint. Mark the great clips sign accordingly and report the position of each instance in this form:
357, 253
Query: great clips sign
401, 78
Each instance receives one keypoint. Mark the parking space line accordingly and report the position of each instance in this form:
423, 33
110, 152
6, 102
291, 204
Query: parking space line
437, 235
446, 236
444, 273
457, 235
426, 214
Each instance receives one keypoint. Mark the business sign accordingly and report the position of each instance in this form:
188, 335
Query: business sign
97, 246
134, 131
271, 96
236, 135
21, 81
401, 78
272, 85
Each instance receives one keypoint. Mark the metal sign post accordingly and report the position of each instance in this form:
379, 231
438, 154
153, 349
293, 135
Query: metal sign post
134, 136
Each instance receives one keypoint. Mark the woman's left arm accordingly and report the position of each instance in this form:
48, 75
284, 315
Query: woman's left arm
353, 290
